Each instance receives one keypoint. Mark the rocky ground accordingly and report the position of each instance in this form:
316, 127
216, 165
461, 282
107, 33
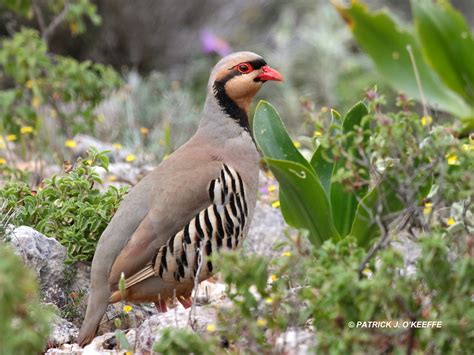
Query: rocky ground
65, 287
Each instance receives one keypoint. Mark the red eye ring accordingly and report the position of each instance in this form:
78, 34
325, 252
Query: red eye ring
244, 68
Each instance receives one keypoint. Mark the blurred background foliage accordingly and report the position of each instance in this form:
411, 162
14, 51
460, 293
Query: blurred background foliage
165, 58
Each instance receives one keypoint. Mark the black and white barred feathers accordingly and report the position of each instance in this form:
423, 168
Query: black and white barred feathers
219, 226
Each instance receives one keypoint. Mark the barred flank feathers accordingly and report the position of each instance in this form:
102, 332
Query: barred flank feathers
219, 226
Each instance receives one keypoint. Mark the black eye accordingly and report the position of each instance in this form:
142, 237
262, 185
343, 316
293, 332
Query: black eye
244, 68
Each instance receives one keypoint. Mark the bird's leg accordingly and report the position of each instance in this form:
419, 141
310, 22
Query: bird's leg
186, 301
161, 306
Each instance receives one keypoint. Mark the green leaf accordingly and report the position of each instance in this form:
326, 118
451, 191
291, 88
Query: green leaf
447, 43
344, 203
303, 200
122, 340
386, 43
272, 137
322, 159
448, 46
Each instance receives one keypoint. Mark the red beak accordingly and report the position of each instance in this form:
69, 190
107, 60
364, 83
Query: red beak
270, 74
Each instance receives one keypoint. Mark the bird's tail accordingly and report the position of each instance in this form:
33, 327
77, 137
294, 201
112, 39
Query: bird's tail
96, 306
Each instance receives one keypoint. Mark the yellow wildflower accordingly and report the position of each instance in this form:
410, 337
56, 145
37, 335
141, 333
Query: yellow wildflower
73, 27
3, 161
426, 120
452, 159
276, 204
2, 143
127, 308
450, 221
26, 129
144, 130
286, 253
117, 146
428, 208
211, 328
112, 178
272, 188
11, 137
29, 84
467, 147
70, 143
100, 117
273, 277
324, 109
36, 101
269, 300
166, 156
261, 322
130, 158
317, 134
297, 144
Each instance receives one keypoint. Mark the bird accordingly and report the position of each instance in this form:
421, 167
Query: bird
198, 201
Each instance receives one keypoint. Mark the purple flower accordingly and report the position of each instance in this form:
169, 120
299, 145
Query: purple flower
211, 43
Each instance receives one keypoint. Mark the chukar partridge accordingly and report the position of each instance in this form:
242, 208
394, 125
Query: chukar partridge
199, 200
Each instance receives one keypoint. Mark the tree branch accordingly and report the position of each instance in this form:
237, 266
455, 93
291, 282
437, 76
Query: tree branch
58, 20
39, 16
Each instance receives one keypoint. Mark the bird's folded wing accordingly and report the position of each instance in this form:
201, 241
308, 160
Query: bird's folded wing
177, 196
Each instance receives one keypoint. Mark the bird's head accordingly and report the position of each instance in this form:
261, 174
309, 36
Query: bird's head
237, 77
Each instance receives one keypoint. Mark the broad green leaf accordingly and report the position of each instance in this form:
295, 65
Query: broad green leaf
354, 116
386, 43
272, 136
382, 200
304, 203
324, 166
322, 160
447, 44
343, 202
122, 340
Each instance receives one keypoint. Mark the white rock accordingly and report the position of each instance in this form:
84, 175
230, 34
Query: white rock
63, 332
295, 342
46, 257
149, 332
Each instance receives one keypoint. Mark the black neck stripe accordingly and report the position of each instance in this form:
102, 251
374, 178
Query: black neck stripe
227, 104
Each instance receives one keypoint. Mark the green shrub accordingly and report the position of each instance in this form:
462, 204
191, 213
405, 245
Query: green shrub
438, 291
68, 207
25, 322
324, 292
46, 97
71, 89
